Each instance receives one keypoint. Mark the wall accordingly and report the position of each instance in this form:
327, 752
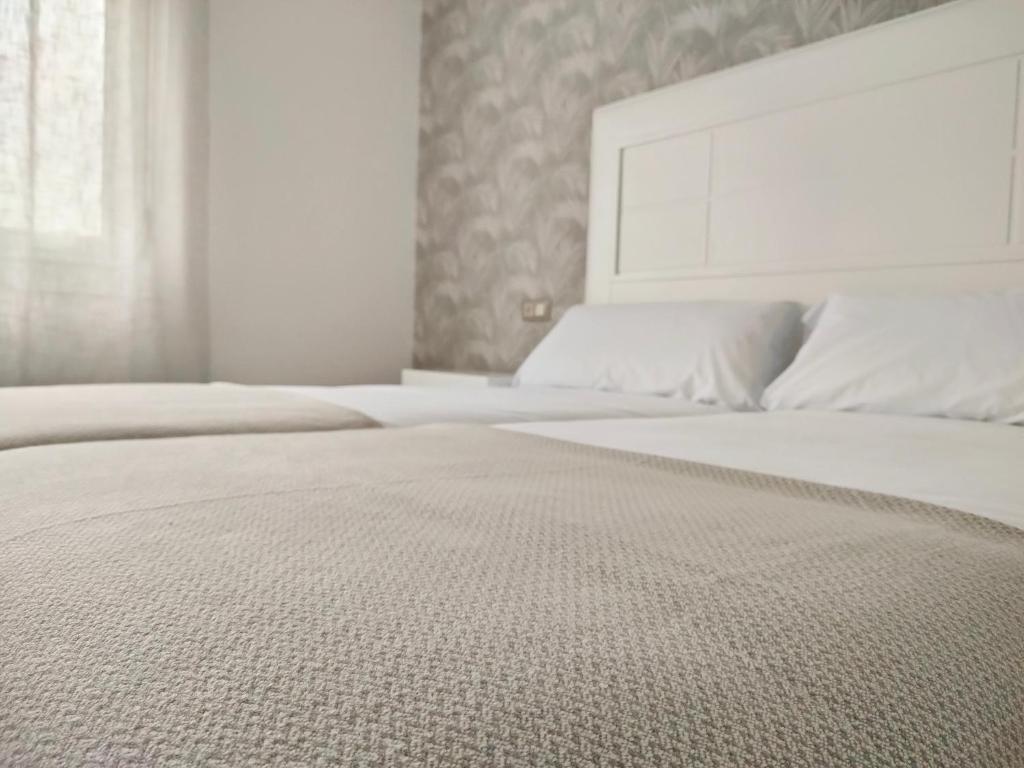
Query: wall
312, 189
507, 91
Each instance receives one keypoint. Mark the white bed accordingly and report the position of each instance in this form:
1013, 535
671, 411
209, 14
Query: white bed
972, 466
888, 161
406, 406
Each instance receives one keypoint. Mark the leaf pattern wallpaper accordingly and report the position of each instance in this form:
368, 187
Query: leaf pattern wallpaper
507, 92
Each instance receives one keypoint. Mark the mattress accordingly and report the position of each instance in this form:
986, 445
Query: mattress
405, 406
467, 596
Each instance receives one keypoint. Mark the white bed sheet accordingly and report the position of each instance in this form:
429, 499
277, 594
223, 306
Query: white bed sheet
971, 466
405, 406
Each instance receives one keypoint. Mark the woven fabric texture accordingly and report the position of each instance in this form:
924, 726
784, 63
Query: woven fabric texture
461, 596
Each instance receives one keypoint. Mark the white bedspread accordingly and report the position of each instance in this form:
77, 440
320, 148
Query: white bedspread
970, 466
405, 406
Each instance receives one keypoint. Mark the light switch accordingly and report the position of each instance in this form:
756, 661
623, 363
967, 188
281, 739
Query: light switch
536, 310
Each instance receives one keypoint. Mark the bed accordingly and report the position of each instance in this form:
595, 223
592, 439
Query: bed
464, 595
741, 589
599, 361
32, 416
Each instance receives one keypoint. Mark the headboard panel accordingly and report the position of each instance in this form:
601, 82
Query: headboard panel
884, 160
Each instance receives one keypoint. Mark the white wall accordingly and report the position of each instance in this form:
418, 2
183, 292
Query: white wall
313, 135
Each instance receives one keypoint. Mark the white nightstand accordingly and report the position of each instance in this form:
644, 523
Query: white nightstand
421, 378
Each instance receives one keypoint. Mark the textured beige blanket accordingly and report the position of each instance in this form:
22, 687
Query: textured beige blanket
78, 413
461, 596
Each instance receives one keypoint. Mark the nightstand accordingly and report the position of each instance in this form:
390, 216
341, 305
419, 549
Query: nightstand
423, 378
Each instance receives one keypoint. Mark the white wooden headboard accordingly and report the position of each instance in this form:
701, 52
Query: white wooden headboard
890, 159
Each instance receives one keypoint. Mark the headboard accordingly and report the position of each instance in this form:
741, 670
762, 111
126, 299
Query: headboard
890, 159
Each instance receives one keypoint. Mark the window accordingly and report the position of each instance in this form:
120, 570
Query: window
52, 116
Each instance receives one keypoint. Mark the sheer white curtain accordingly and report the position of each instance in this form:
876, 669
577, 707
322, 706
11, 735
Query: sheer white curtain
102, 190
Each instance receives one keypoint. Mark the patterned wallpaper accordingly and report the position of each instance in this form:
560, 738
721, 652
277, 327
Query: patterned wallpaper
507, 91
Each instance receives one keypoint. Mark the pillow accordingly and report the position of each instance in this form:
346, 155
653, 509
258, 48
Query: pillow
956, 356
715, 353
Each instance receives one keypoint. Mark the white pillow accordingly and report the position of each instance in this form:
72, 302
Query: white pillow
956, 356
716, 353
